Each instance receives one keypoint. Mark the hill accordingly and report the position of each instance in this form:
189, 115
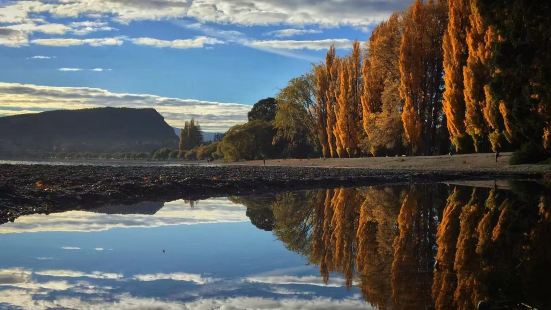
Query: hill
97, 130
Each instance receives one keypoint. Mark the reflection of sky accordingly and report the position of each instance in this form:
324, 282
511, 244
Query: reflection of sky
87, 260
177, 212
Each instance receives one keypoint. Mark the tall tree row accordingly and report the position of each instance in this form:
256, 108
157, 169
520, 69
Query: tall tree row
504, 75
469, 74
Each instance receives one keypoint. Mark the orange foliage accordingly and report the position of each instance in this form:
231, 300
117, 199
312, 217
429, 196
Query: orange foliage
455, 58
421, 75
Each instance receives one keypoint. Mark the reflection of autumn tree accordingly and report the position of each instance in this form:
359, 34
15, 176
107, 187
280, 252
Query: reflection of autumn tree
326, 255
412, 263
293, 214
375, 234
496, 260
489, 245
344, 222
467, 263
445, 280
536, 263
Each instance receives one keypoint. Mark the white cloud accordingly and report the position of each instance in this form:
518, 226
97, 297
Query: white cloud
19, 98
47, 28
86, 27
197, 42
42, 57
75, 42
290, 32
285, 48
292, 12
177, 276
13, 38
65, 69
100, 69
302, 44
242, 12
69, 69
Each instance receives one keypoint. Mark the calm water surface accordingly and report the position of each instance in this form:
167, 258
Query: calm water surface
420, 246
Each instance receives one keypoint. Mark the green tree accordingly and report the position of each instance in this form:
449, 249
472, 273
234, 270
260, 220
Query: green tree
190, 136
252, 140
263, 110
294, 120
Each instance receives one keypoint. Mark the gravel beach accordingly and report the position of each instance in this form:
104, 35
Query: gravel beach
26, 189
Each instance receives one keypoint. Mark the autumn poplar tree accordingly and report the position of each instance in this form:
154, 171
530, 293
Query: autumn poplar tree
380, 98
476, 77
330, 101
519, 38
320, 107
455, 58
348, 107
421, 76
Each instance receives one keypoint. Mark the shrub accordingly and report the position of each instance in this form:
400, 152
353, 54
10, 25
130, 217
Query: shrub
252, 140
191, 154
528, 153
161, 154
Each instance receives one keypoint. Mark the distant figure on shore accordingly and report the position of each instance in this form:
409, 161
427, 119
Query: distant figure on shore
497, 155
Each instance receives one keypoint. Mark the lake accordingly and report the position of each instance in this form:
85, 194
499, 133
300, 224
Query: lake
416, 246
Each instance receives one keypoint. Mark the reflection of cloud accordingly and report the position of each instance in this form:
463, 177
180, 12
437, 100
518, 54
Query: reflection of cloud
78, 274
177, 276
299, 280
14, 275
70, 248
18, 288
21, 298
216, 210
213, 116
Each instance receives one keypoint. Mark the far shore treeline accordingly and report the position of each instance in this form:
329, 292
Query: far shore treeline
458, 76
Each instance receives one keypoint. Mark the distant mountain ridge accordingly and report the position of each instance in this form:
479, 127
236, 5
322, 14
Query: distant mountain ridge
97, 130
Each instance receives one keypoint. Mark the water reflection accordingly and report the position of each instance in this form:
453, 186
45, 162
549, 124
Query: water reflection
423, 246
143, 214
174, 255
419, 246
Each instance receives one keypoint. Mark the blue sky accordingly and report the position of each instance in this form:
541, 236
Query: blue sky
200, 52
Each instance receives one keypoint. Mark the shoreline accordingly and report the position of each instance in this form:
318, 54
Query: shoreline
26, 189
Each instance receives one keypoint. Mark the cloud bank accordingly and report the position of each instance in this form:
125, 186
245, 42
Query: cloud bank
19, 98
329, 13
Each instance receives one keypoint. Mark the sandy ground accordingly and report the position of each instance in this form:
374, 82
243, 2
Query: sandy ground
466, 162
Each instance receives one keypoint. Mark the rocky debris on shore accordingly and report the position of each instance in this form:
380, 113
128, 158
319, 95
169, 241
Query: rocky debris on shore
26, 189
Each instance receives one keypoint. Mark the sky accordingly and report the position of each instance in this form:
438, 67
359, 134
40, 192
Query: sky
206, 59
